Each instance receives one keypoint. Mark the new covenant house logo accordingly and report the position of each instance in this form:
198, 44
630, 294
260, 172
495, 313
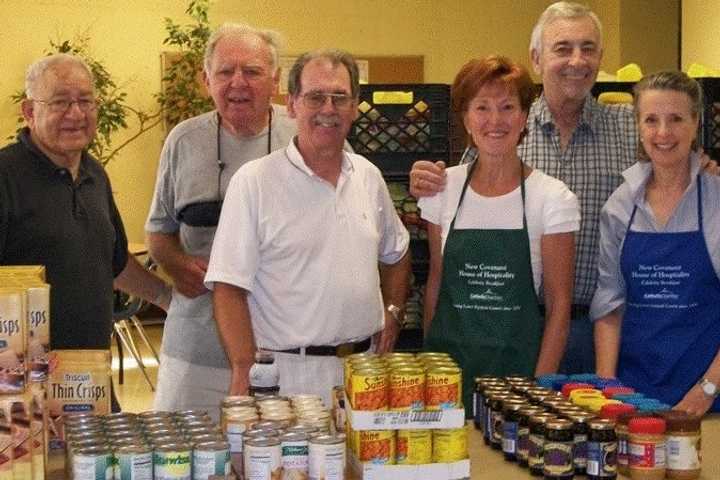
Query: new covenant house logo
487, 295
663, 294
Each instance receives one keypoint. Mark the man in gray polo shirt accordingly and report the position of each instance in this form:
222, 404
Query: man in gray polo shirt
199, 158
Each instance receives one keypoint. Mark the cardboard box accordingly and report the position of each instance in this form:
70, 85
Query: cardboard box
435, 471
408, 420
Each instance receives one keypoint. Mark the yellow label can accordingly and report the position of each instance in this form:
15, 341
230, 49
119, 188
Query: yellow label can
449, 445
376, 446
443, 388
369, 389
413, 447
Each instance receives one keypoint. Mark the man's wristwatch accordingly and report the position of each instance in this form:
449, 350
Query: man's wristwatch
396, 313
708, 388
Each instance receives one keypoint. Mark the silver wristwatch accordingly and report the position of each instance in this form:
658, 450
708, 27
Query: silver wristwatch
396, 313
708, 388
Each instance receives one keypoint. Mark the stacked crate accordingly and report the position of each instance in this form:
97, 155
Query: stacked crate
397, 125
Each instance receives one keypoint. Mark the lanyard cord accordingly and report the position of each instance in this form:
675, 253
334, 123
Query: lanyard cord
219, 161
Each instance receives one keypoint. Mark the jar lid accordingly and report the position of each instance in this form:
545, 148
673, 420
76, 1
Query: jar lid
569, 387
679, 421
614, 410
610, 392
559, 424
602, 424
649, 425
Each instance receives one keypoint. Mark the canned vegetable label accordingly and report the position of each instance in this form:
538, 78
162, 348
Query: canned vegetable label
326, 458
92, 464
172, 464
133, 464
262, 459
211, 459
294, 459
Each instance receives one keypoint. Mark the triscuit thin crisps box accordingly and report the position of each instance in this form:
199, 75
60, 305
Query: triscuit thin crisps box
38, 429
17, 408
79, 383
6, 447
37, 325
13, 318
37, 271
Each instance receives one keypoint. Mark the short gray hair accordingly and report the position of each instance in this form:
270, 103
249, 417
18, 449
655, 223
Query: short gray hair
336, 57
37, 70
271, 38
561, 10
672, 81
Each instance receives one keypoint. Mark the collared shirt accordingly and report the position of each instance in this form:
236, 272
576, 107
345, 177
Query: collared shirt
307, 251
616, 214
602, 146
70, 226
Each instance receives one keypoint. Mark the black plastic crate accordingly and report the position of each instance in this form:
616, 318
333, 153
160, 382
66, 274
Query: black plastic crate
398, 124
710, 121
602, 87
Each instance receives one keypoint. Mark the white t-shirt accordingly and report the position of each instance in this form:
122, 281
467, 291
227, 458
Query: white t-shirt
307, 252
550, 207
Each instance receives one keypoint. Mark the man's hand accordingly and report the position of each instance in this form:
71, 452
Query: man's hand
240, 381
385, 339
188, 275
695, 402
707, 164
427, 178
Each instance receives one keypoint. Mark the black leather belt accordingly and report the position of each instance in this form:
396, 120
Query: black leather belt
576, 311
342, 350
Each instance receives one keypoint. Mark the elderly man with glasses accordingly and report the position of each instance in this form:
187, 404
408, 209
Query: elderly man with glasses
310, 260
200, 156
57, 208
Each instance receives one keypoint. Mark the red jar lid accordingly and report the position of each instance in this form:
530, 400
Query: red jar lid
569, 387
614, 410
608, 392
649, 425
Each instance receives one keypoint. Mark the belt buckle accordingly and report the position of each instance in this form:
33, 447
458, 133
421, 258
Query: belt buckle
344, 349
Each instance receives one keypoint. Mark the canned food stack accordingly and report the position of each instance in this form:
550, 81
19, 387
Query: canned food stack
577, 429
184, 445
405, 409
273, 437
24, 347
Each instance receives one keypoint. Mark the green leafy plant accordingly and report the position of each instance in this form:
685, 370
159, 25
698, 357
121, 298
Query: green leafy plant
113, 110
183, 95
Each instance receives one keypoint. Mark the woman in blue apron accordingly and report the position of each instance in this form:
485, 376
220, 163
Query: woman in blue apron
658, 300
496, 230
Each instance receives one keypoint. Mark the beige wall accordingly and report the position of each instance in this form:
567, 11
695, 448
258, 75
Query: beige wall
128, 37
650, 33
700, 27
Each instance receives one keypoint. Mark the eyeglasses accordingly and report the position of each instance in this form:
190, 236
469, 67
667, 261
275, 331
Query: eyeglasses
316, 100
63, 105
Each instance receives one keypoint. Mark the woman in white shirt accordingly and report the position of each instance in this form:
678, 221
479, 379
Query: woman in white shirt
499, 233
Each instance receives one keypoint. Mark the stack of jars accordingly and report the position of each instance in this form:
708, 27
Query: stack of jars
149, 445
583, 430
424, 384
279, 433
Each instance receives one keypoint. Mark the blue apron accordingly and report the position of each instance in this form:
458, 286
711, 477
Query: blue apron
671, 326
